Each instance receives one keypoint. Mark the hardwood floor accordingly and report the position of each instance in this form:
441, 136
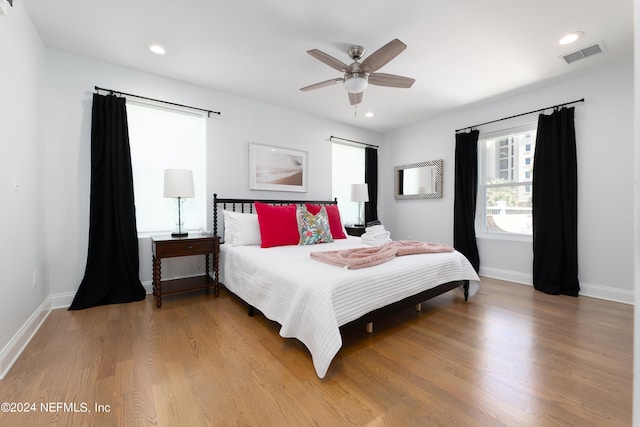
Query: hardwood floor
510, 356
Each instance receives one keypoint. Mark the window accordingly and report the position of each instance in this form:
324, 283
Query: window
163, 138
505, 172
347, 168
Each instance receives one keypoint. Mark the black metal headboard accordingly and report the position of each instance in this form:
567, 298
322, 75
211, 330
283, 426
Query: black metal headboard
246, 205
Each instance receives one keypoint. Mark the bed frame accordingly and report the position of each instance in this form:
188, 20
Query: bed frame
247, 206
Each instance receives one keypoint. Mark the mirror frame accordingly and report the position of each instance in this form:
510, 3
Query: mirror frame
437, 194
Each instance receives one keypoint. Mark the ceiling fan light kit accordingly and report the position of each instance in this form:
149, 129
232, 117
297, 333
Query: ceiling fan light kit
356, 82
359, 75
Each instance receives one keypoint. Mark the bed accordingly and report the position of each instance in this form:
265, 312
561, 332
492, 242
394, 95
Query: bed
312, 300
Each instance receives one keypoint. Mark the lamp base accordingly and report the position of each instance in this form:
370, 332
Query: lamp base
179, 234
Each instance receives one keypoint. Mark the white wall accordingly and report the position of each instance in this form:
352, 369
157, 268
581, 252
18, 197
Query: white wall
70, 83
604, 133
21, 212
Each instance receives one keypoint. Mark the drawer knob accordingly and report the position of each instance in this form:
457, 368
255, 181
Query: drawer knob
189, 247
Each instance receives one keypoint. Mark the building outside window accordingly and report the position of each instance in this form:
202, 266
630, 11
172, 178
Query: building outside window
505, 172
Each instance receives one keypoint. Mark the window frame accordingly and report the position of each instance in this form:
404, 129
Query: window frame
527, 184
200, 182
340, 188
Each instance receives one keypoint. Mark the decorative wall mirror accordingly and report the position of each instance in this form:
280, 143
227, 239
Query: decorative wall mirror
419, 180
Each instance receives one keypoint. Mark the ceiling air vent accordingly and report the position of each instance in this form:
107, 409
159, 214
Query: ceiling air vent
584, 53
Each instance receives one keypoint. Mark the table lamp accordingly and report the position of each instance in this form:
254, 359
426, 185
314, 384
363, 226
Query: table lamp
178, 183
360, 194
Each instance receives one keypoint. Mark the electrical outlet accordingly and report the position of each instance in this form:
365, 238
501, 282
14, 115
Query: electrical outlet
34, 278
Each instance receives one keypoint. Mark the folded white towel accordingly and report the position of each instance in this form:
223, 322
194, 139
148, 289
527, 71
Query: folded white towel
376, 236
376, 242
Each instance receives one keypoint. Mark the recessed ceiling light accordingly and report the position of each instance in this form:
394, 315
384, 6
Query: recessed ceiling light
157, 49
369, 114
570, 38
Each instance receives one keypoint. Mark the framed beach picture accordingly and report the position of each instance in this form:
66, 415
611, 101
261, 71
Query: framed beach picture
277, 169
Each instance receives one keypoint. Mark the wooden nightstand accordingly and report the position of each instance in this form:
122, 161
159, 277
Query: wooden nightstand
196, 244
354, 230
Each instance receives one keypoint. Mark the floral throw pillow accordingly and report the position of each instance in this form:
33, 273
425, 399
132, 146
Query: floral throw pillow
313, 228
335, 223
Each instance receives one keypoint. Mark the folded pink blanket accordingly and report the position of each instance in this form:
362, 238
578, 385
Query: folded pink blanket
412, 247
357, 257
367, 257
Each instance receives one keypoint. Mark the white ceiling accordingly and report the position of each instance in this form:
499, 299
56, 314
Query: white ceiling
459, 51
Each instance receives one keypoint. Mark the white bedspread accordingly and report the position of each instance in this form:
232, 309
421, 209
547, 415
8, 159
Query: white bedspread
311, 299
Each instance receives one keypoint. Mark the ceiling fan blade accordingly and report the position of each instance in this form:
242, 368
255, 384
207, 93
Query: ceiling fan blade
390, 80
322, 84
382, 56
329, 60
355, 98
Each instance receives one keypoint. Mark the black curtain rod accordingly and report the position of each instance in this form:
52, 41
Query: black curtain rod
111, 91
523, 114
331, 138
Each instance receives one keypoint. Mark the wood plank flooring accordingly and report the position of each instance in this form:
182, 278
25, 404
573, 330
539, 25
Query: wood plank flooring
510, 356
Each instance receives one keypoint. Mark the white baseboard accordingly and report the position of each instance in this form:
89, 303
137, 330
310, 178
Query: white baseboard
508, 275
10, 353
606, 293
64, 300
148, 286
19, 341
586, 289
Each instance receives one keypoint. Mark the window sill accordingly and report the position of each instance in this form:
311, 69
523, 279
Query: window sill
191, 231
509, 237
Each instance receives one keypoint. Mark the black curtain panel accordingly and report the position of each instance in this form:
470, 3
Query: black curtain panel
111, 273
371, 178
555, 205
466, 189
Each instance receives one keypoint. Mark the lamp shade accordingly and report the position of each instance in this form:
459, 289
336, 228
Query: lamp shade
359, 193
178, 183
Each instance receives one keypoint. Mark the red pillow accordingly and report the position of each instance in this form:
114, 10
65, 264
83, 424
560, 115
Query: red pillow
335, 223
278, 225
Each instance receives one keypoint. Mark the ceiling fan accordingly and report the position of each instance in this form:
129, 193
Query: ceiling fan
359, 75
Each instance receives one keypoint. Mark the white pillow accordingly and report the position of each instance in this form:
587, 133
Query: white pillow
228, 232
241, 229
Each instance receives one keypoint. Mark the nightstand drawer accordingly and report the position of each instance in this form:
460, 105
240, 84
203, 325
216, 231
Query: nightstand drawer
174, 248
